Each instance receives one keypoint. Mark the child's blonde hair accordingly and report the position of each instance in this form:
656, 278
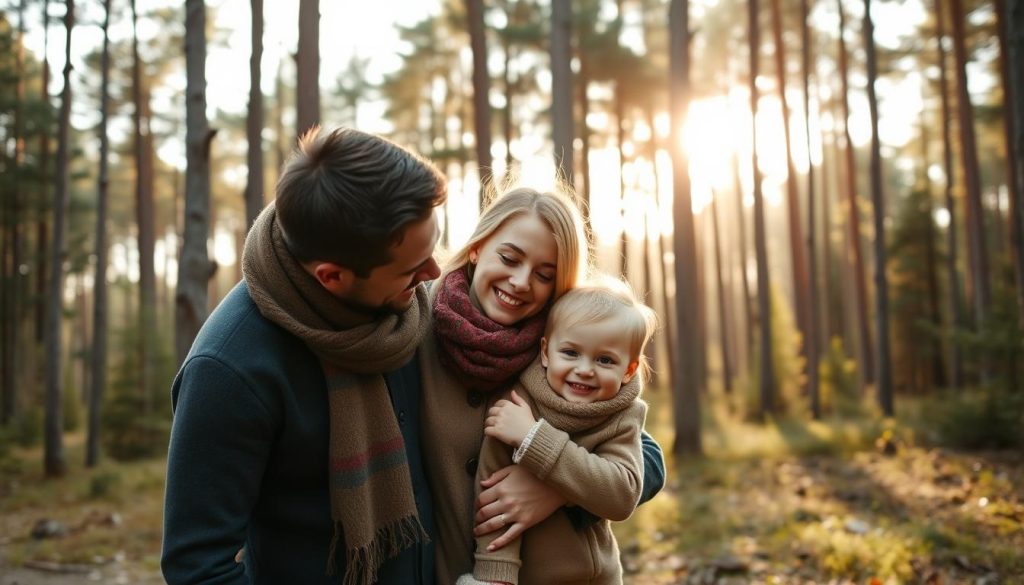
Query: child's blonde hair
605, 297
558, 209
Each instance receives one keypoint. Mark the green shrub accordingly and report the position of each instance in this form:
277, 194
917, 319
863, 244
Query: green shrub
130, 435
27, 428
839, 394
978, 420
71, 409
787, 365
103, 484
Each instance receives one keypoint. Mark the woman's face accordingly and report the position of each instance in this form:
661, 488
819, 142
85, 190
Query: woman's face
515, 270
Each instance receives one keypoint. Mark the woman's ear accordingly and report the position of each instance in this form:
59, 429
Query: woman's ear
474, 255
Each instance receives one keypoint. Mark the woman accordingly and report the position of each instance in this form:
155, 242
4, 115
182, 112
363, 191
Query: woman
489, 309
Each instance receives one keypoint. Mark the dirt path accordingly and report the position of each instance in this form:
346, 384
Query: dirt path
113, 573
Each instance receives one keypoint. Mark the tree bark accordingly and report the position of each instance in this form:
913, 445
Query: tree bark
686, 405
741, 228
884, 374
307, 75
867, 365
796, 237
254, 120
561, 88
280, 144
952, 273
194, 268
54, 460
481, 93
14, 239
766, 373
99, 331
42, 229
813, 339
723, 325
937, 373
582, 84
506, 111
1014, 102
146, 223
666, 306
620, 139
982, 292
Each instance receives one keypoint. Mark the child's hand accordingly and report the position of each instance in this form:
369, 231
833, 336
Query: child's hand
509, 420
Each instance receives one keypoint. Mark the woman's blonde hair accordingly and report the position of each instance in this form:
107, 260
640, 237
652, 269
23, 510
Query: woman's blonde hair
558, 209
604, 297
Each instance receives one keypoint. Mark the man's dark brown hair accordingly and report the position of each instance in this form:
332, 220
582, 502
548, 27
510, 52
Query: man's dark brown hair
346, 197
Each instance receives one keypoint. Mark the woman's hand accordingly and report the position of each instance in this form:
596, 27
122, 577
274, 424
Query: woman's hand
509, 420
515, 499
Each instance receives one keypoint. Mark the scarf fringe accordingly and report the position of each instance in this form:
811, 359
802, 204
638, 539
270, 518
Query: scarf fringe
362, 563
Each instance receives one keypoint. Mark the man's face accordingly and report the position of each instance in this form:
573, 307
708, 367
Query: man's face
391, 287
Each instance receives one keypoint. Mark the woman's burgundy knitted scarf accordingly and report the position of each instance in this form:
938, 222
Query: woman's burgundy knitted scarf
481, 354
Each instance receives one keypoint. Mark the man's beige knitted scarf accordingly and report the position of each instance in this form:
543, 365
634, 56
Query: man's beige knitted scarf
372, 501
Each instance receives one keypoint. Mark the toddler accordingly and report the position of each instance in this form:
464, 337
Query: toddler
574, 419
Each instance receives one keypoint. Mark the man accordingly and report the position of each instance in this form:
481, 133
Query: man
296, 412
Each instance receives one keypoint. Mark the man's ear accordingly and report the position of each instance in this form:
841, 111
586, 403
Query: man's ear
335, 278
544, 351
630, 371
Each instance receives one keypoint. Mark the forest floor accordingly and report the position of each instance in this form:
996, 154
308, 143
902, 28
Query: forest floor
833, 502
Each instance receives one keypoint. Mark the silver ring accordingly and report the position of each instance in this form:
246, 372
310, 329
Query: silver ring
502, 518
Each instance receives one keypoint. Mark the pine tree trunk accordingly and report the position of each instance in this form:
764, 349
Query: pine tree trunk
813, 339
146, 223
254, 120
766, 373
280, 144
620, 139
99, 332
686, 383
884, 374
7, 327
13, 237
561, 88
666, 306
42, 228
937, 374
796, 237
1013, 30
506, 110
723, 326
975, 216
741, 228
307, 75
481, 93
194, 268
582, 84
867, 365
54, 460
952, 248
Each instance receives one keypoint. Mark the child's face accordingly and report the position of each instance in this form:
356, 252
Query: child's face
587, 362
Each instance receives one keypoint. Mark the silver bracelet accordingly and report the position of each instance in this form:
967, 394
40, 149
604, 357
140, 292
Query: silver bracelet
520, 451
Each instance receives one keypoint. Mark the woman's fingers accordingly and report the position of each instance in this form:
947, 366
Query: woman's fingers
513, 532
490, 512
494, 478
